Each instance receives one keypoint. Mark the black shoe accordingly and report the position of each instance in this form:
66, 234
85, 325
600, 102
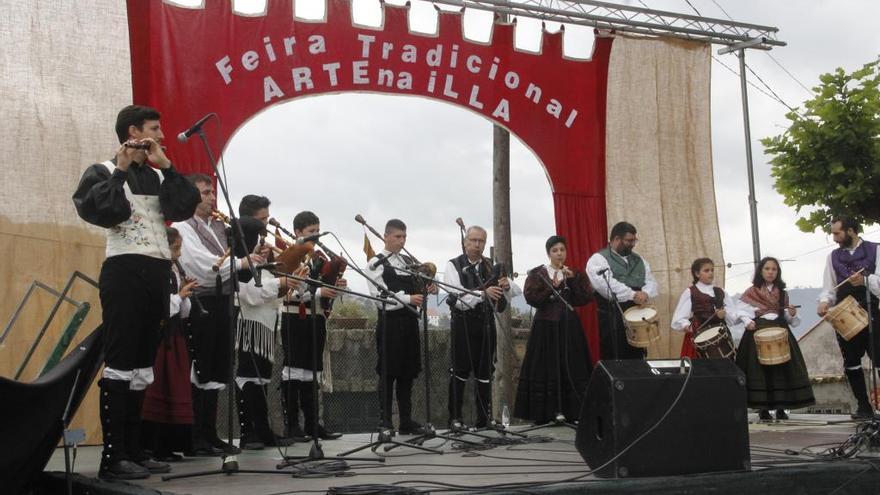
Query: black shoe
204, 450
410, 427
251, 443
764, 415
123, 470
781, 415
154, 467
298, 435
323, 434
865, 411
167, 457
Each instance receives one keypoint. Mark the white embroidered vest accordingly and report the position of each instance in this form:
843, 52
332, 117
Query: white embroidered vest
144, 231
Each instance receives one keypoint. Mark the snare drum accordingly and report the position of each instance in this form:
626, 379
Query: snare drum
848, 318
772, 344
715, 342
641, 326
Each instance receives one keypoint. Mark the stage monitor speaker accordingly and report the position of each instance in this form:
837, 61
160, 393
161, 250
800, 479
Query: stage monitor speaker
706, 431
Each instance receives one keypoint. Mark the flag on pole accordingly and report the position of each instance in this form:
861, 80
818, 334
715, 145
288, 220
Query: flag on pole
368, 248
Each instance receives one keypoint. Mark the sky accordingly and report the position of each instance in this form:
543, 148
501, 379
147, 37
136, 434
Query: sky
428, 162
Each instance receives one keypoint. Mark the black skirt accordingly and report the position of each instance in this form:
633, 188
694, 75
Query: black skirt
403, 344
552, 366
779, 386
296, 338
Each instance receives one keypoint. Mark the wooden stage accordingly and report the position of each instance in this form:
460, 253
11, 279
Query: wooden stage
547, 462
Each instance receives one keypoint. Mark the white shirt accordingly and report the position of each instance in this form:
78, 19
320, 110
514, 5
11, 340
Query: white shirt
597, 263
747, 312
829, 278
681, 318
197, 261
465, 301
375, 274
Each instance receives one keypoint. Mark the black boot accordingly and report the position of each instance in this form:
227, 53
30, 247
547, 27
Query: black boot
248, 439
115, 463
456, 399
307, 399
256, 395
764, 415
290, 403
483, 403
133, 406
781, 415
860, 391
408, 426
200, 445
386, 392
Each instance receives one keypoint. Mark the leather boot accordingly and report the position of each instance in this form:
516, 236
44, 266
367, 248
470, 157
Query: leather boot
115, 463
134, 403
857, 382
386, 391
483, 403
456, 399
248, 440
309, 406
256, 395
200, 445
408, 426
290, 404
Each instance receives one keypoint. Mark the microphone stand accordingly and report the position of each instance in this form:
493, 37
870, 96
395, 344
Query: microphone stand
560, 419
490, 313
229, 461
316, 453
385, 433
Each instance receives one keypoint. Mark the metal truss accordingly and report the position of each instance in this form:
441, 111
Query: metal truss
629, 19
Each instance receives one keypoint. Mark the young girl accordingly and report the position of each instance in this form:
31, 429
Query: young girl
168, 409
779, 386
557, 360
702, 306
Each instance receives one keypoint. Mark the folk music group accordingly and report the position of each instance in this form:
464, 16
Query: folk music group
165, 295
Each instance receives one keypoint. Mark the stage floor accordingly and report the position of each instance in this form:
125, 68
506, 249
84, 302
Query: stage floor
548, 458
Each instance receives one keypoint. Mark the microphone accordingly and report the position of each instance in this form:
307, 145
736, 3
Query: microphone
460, 223
380, 260
602, 271
184, 136
310, 238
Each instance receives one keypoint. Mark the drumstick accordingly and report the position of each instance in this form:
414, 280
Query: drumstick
847, 279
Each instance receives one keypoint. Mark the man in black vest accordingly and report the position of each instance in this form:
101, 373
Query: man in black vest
204, 248
473, 325
630, 280
401, 325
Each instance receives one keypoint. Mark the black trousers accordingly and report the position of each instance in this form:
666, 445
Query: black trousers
135, 294
611, 327
210, 340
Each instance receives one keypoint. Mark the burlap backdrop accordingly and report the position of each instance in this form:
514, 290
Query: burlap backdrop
65, 74
658, 162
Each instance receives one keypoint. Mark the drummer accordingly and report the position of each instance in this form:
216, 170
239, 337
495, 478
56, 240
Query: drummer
847, 270
779, 386
702, 306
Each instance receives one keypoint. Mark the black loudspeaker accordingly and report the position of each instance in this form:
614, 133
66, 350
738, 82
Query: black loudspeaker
706, 431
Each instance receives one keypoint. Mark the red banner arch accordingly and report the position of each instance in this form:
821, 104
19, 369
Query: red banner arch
188, 62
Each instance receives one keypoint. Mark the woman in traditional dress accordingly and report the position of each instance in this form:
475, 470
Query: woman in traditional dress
779, 386
168, 409
557, 364
702, 306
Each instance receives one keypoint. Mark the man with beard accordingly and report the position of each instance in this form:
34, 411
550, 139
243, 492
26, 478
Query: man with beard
853, 265
630, 279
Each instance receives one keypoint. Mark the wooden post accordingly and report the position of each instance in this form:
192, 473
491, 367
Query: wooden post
507, 361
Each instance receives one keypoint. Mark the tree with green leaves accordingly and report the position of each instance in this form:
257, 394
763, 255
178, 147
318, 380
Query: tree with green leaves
828, 161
